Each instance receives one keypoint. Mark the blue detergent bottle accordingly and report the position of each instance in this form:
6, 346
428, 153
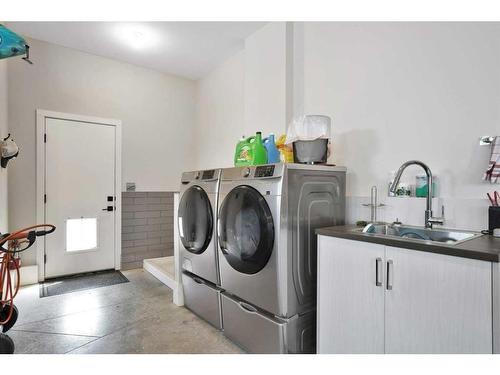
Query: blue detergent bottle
273, 154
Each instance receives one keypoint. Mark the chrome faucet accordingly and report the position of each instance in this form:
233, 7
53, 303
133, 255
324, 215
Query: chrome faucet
429, 219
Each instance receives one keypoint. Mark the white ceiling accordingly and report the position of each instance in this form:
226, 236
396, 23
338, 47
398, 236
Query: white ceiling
188, 49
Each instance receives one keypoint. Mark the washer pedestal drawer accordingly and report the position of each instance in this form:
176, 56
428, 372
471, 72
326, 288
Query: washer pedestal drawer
202, 298
259, 332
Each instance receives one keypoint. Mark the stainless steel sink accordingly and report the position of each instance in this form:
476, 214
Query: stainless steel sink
444, 236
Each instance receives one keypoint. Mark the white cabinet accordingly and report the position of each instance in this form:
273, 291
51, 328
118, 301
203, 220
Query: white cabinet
438, 304
350, 304
406, 302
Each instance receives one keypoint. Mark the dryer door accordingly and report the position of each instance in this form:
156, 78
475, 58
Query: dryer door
196, 222
246, 230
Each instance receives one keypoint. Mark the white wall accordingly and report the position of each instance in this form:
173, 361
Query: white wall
3, 134
219, 114
266, 75
400, 91
249, 92
157, 112
395, 91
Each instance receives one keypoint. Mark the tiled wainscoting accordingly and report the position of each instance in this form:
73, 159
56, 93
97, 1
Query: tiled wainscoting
147, 227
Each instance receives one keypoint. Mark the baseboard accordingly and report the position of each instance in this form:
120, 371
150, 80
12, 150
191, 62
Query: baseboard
29, 275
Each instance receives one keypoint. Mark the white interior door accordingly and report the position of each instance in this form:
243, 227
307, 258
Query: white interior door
79, 188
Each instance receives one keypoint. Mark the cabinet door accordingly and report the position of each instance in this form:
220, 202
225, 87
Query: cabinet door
437, 303
350, 304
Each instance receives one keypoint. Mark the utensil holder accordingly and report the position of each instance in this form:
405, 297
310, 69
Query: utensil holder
493, 218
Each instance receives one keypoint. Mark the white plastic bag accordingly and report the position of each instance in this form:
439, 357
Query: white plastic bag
308, 128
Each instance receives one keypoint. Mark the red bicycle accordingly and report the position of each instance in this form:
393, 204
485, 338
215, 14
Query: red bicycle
11, 245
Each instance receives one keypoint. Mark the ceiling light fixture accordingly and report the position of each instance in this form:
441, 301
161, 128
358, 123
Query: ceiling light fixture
136, 35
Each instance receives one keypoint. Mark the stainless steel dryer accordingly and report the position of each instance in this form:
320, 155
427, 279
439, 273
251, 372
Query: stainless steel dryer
267, 251
198, 243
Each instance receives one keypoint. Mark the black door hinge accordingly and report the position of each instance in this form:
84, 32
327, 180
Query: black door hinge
45, 258
45, 137
45, 198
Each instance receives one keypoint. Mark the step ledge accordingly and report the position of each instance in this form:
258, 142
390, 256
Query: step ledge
165, 277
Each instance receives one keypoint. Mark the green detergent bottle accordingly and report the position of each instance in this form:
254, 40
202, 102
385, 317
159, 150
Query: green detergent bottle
243, 154
259, 152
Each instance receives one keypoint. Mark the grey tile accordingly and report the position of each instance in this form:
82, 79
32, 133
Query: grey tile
134, 250
148, 228
127, 258
158, 194
128, 229
147, 214
155, 254
155, 207
137, 221
158, 220
127, 215
133, 208
167, 240
128, 201
133, 236
153, 241
126, 244
141, 201
161, 247
140, 242
155, 234
166, 227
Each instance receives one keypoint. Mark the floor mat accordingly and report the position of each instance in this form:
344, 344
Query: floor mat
91, 280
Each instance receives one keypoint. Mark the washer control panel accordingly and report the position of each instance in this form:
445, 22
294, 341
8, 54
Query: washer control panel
264, 171
208, 175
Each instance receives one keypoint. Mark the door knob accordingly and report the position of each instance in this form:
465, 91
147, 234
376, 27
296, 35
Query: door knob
109, 208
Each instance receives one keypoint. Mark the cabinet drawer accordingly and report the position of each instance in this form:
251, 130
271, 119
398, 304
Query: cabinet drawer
251, 329
202, 298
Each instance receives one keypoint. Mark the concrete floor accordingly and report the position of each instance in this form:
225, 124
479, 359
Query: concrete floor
134, 317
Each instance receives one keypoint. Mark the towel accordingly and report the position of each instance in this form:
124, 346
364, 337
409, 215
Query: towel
492, 174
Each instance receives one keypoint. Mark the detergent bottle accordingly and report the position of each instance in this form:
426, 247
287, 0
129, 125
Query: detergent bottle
259, 153
243, 153
273, 155
286, 152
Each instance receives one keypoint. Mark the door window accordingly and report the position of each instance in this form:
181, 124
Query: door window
195, 220
246, 232
81, 234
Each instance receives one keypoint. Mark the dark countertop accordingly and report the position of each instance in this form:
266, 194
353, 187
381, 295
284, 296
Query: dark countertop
481, 248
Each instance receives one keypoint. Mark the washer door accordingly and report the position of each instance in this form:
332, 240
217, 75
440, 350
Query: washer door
246, 230
195, 220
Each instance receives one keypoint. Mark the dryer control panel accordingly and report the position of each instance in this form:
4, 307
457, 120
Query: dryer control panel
264, 171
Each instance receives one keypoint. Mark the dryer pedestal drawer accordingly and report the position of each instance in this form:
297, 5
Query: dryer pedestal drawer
258, 332
202, 298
